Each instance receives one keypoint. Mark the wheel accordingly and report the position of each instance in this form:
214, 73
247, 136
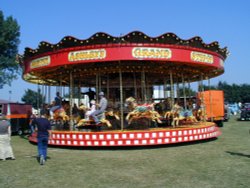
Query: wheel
219, 123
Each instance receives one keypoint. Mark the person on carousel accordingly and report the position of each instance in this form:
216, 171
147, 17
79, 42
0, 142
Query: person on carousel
102, 106
91, 109
57, 104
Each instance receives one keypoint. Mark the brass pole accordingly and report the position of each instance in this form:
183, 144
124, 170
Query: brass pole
143, 85
210, 101
70, 100
135, 85
96, 87
172, 89
49, 95
202, 99
165, 88
108, 86
121, 99
184, 92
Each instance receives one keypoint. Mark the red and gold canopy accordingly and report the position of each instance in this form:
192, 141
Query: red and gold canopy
134, 52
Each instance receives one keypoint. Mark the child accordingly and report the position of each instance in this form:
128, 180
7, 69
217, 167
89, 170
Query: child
92, 109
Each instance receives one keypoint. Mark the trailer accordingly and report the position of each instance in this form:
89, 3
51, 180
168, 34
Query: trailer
214, 107
19, 115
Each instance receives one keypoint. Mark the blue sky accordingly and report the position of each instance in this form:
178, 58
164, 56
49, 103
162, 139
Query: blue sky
213, 20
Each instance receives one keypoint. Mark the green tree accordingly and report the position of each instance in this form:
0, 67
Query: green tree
9, 41
34, 98
188, 92
228, 92
233, 93
244, 93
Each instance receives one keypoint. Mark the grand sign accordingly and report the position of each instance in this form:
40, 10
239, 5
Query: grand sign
155, 53
40, 62
202, 57
87, 55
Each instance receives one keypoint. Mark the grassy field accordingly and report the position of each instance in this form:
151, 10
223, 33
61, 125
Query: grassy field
222, 162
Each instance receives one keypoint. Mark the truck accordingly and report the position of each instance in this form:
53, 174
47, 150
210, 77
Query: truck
214, 107
19, 115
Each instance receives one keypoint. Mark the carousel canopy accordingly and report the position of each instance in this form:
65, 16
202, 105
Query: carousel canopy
131, 53
133, 37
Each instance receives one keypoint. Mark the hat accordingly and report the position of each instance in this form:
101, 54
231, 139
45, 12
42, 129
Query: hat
101, 93
92, 101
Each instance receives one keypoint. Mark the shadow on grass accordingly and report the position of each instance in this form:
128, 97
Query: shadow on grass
38, 158
24, 136
238, 154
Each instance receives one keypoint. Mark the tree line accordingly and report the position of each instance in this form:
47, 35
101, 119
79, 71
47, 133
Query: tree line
233, 92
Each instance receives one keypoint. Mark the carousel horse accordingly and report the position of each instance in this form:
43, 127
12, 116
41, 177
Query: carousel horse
85, 122
173, 112
88, 119
179, 114
184, 115
144, 110
199, 114
60, 113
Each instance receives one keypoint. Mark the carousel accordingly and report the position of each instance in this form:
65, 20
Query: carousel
127, 69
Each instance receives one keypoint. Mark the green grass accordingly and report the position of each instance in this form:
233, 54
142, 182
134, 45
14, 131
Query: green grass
222, 162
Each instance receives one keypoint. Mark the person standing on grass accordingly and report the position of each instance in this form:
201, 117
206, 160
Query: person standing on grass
6, 151
32, 128
43, 128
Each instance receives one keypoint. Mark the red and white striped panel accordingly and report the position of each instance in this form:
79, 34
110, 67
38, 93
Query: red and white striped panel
133, 138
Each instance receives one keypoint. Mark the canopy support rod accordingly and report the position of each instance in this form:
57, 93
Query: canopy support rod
172, 89
70, 99
135, 86
184, 92
121, 99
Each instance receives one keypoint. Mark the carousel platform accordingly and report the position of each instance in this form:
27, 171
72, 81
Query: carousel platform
152, 136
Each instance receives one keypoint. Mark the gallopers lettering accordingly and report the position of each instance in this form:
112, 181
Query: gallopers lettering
40, 62
158, 53
87, 55
202, 57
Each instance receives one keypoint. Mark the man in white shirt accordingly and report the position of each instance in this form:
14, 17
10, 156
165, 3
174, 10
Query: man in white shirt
101, 108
